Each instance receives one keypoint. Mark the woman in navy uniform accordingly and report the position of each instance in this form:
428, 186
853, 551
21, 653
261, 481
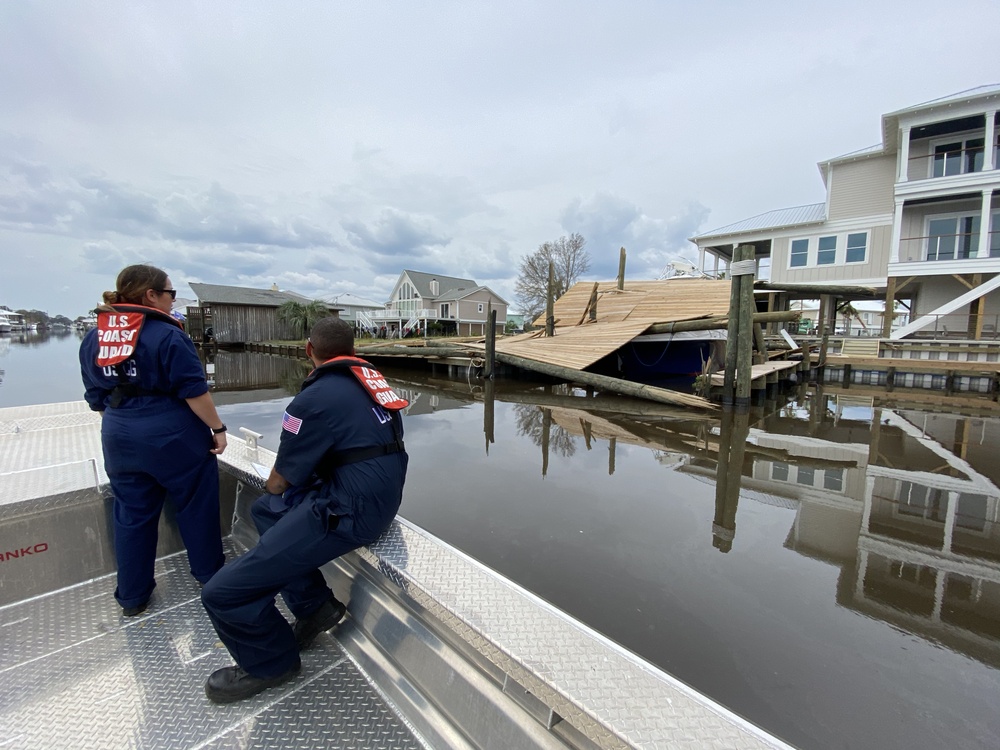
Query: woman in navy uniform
160, 431
336, 485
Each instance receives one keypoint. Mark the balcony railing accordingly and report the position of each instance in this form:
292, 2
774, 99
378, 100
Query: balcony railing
958, 161
398, 314
959, 325
947, 247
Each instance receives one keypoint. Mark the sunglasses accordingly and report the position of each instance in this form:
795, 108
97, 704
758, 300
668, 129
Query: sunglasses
171, 292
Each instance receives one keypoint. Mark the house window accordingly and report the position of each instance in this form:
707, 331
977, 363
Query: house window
480, 307
923, 502
779, 471
958, 157
972, 511
806, 475
951, 237
833, 479
857, 247
445, 310
800, 253
827, 254
995, 236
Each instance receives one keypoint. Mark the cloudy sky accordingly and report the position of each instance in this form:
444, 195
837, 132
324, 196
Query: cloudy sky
326, 146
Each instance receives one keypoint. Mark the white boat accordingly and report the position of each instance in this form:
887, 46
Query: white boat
4, 324
14, 320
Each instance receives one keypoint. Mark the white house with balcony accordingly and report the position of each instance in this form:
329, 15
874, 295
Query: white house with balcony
916, 216
422, 302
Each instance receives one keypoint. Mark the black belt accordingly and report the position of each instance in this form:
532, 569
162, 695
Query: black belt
123, 391
336, 459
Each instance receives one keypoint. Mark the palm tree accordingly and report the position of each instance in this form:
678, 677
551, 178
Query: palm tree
302, 317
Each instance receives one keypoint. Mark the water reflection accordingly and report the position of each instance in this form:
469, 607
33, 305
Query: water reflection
247, 371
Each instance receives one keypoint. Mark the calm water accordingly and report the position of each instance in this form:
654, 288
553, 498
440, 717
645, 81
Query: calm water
826, 567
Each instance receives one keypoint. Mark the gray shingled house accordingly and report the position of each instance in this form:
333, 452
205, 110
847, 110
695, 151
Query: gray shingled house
238, 315
456, 305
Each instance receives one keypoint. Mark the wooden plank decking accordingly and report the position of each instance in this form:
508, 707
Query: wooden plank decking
650, 301
622, 315
759, 373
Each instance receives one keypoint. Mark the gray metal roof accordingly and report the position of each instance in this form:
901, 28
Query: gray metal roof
422, 282
812, 213
878, 148
993, 88
346, 299
890, 121
461, 293
238, 295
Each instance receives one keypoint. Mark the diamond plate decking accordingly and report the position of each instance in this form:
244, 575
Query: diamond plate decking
75, 674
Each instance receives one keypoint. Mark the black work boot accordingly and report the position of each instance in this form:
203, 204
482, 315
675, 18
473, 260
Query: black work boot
318, 622
136, 610
231, 684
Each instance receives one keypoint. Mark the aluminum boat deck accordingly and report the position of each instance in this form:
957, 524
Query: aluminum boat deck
438, 651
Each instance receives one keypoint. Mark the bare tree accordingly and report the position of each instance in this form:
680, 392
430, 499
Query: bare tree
569, 260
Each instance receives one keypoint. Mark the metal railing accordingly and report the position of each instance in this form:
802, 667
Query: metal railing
947, 247
396, 313
950, 326
959, 161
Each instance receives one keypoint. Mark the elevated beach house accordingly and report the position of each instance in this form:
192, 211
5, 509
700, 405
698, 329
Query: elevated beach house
915, 217
446, 304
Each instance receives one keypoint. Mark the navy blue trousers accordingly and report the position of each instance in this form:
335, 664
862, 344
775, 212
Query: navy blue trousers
294, 543
149, 458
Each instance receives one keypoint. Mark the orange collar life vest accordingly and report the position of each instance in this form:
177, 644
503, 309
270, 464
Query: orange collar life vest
371, 380
118, 331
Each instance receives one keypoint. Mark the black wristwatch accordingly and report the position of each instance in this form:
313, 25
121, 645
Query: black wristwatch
217, 430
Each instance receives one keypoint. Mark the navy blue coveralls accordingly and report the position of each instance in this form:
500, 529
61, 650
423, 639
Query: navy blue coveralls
326, 513
156, 447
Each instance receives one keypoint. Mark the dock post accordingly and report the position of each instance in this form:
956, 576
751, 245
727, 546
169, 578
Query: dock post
890, 305
491, 342
761, 344
621, 269
612, 451
592, 307
732, 332
744, 364
550, 321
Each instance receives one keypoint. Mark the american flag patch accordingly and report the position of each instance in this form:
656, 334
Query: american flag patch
290, 423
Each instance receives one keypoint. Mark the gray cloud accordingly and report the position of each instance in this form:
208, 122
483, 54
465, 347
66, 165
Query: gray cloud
396, 234
92, 203
609, 222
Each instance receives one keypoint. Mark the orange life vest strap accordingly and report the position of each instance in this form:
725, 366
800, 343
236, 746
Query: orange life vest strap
372, 381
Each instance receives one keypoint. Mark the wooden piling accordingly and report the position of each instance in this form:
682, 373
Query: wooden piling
744, 363
592, 306
732, 331
605, 383
550, 321
491, 342
760, 356
621, 269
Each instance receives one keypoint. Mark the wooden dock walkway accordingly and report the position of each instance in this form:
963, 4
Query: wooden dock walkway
763, 374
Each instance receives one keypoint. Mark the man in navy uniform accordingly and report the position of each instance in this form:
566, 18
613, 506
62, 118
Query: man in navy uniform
336, 485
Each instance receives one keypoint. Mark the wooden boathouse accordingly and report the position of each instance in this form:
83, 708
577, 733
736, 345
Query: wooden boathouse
237, 315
